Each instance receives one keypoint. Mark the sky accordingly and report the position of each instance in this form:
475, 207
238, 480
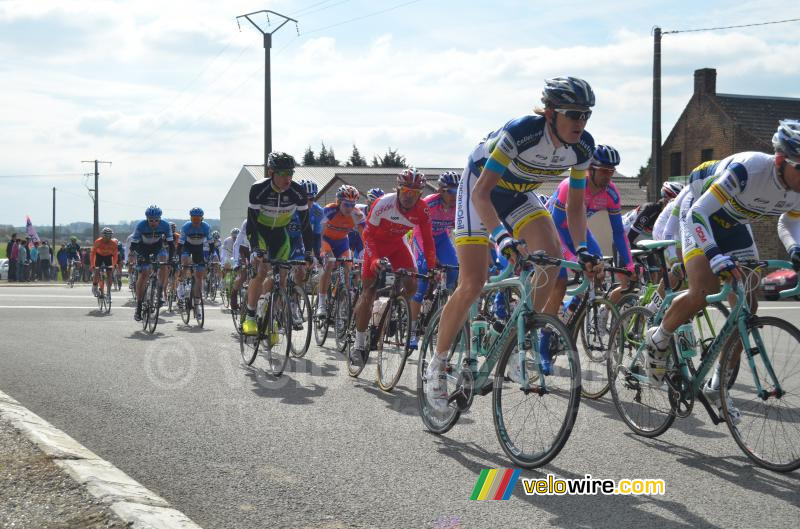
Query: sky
172, 93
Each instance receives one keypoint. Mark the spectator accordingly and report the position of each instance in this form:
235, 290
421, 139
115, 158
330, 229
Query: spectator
12, 261
34, 252
22, 257
44, 261
61, 256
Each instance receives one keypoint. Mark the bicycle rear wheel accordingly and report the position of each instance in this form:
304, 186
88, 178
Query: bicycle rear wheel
185, 303
393, 339
591, 333
439, 422
301, 331
644, 407
768, 430
521, 408
342, 312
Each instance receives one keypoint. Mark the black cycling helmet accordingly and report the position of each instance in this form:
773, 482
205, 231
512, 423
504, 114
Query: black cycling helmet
560, 91
280, 161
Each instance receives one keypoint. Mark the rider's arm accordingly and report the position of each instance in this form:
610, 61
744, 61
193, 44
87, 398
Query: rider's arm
789, 230
426, 230
92, 255
615, 219
576, 207
250, 228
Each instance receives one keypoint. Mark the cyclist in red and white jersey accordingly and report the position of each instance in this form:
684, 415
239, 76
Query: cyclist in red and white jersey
390, 218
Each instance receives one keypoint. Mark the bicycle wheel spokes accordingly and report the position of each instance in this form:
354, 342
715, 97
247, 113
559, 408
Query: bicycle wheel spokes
277, 332
534, 415
301, 321
199, 311
436, 421
341, 317
644, 407
320, 325
152, 301
592, 340
767, 395
393, 344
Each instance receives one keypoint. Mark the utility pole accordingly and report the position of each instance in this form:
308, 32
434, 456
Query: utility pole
655, 150
267, 77
95, 197
53, 240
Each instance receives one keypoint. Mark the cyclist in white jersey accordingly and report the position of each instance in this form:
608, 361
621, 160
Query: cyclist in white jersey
745, 186
496, 202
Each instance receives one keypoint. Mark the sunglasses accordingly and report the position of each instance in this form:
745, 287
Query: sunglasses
195, 218
348, 204
410, 191
575, 115
603, 170
451, 190
150, 219
285, 172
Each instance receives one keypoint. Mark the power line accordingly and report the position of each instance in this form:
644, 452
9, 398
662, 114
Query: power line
731, 27
38, 175
307, 9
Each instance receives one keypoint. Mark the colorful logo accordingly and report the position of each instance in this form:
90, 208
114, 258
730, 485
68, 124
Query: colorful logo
495, 484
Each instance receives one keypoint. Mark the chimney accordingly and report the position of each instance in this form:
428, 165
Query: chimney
705, 81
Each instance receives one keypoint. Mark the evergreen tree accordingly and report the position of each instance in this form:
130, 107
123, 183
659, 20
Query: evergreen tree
390, 159
356, 160
332, 161
308, 157
322, 159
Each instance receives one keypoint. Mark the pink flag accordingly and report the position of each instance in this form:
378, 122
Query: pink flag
30, 229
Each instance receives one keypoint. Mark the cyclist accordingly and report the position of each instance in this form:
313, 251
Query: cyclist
298, 253
273, 201
390, 218
341, 217
148, 241
639, 222
227, 257
241, 256
105, 252
73, 250
601, 194
372, 195
443, 217
195, 240
315, 214
496, 202
747, 185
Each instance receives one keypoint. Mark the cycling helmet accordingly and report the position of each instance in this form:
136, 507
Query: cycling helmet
196, 212
787, 138
311, 188
153, 212
107, 231
375, 193
215, 235
73, 238
234, 232
449, 179
560, 91
280, 161
606, 156
411, 178
347, 192
670, 190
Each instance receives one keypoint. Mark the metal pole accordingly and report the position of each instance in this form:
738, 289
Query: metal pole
53, 239
655, 153
96, 227
267, 100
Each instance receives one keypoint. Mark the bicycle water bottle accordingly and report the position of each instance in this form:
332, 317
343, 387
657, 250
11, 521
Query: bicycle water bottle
479, 330
687, 344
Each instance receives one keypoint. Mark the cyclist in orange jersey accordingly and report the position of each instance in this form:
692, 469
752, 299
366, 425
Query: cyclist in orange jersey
104, 253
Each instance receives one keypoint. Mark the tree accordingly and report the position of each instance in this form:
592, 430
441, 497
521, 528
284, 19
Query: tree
644, 173
322, 159
390, 159
308, 157
356, 160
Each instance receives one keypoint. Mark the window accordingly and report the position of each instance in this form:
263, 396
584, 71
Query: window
706, 155
675, 164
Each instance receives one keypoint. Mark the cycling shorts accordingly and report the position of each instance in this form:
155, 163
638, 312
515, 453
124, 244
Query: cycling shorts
146, 252
398, 253
196, 252
733, 238
515, 209
103, 260
275, 241
337, 247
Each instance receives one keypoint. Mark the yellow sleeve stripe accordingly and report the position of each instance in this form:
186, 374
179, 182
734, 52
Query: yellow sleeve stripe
719, 193
577, 173
793, 214
500, 157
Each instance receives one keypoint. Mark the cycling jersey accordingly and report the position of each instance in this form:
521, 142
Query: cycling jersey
73, 250
148, 235
227, 249
199, 235
315, 214
385, 233
104, 248
268, 214
745, 187
638, 223
442, 223
443, 217
337, 224
604, 199
523, 154
241, 241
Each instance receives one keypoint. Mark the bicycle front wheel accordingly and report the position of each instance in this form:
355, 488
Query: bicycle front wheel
199, 310
393, 339
591, 334
767, 394
277, 332
301, 322
534, 415
342, 311
153, 309
645, 407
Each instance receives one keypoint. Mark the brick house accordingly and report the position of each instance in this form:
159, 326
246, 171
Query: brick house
714, 126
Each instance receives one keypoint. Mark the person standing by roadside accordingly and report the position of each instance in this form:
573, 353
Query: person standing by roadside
44, 261
61, 256
22, 257
12, 264
34, 258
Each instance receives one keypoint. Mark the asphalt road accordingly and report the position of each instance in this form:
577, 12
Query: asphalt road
233, 448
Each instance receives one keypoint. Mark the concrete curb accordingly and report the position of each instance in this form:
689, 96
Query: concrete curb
129, 500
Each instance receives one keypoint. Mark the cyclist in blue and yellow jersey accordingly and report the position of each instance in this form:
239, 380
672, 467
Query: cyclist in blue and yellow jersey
195, 239
496, 203
148, 241
315, 214
273, 202
714, 220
